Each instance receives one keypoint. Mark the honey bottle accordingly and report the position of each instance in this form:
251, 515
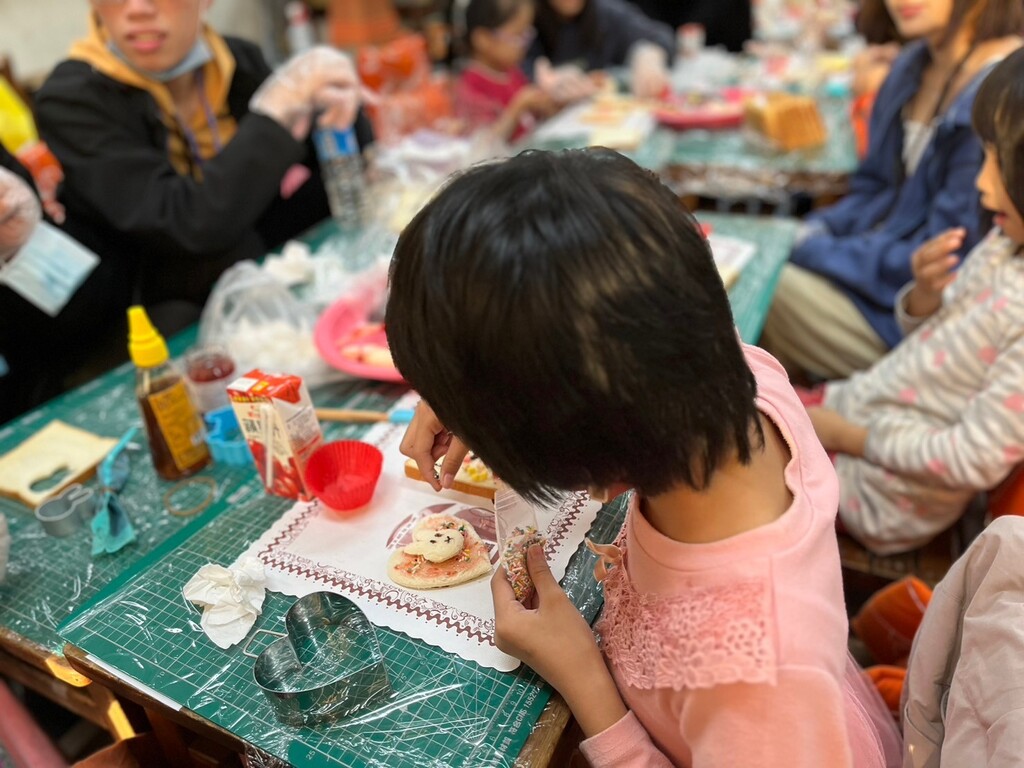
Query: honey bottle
175, 430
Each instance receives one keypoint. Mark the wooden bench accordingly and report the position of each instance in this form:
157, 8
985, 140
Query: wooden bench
864, 572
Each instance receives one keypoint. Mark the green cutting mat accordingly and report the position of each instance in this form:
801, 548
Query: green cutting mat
50, 578
445, 712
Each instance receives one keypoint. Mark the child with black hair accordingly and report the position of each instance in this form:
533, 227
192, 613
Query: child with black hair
938, 419
562, 315
492, 89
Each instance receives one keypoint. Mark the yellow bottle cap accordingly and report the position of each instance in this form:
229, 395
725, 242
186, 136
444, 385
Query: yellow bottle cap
145, 344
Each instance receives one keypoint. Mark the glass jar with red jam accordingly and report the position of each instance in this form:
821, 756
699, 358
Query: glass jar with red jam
209, 369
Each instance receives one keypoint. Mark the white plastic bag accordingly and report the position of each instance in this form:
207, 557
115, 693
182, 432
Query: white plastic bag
263, 325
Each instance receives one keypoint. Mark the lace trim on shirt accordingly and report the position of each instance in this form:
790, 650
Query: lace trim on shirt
710, 636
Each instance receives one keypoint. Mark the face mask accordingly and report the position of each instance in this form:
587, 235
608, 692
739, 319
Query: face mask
48, 269
194, 59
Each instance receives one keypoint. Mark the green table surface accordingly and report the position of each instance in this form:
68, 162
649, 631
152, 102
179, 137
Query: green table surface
739, 151
734, 163
126, 610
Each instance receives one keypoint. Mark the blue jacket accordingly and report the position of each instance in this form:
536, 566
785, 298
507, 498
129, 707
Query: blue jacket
874, 230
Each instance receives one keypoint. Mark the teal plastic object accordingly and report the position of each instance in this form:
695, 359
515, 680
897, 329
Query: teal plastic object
112, 527
225, 438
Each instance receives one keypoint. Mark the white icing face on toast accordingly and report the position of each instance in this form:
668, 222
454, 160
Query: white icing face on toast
437, 545
413, 566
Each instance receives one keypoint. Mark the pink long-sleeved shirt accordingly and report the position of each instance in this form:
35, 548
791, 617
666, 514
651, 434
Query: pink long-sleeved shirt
734, 652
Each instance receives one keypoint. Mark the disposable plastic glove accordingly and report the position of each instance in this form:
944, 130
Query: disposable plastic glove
565, 84
648, 68
320, 80
19, 213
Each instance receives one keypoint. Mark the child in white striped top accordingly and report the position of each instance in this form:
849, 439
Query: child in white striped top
941, 417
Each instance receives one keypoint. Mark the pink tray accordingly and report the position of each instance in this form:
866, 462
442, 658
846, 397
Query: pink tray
346, 319
692, 118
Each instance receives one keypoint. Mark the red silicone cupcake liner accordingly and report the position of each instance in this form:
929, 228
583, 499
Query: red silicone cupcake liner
344, 474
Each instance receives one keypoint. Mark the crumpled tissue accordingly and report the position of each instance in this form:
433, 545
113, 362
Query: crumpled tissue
294, 266
231, 599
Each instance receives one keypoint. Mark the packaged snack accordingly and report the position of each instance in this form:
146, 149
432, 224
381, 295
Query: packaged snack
516, 523
280, 425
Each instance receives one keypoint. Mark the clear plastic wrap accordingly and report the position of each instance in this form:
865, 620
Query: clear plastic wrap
443, 710
262, 324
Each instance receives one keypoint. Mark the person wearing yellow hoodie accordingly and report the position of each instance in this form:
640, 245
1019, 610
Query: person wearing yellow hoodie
182, 152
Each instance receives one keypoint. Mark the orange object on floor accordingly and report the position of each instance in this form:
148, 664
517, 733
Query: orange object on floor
354, 23
889, 679
889, 620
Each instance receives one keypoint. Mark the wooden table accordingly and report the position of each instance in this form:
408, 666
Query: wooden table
35, 600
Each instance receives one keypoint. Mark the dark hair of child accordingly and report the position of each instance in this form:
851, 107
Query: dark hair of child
991, 19
490, 15
998, 119
562, 314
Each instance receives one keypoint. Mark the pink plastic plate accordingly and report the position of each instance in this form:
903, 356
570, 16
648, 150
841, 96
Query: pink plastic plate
707, 117
343, 327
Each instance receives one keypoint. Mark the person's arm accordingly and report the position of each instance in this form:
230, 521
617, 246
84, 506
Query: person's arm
528, 100
933, 265
799, 722
19, 213
114, 157
111, 162
877, 264
979, 449
551, 636
836, 433
873, 185
627, 26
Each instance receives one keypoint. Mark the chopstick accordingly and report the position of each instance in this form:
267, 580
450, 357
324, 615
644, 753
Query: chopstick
363, 417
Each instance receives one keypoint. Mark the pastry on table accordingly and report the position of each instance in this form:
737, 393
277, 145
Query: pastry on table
445, 551
474, 477
789, 121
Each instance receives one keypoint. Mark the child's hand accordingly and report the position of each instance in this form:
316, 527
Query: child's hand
933, 265
322, 80
426, 440
554, 639
565, 84
534, 100
836, 433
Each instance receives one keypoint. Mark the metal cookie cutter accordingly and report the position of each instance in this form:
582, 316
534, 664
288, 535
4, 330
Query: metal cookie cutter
67, 511
327, 665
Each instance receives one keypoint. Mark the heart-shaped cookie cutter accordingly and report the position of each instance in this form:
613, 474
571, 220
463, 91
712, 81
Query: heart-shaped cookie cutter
66, 512
327, 665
